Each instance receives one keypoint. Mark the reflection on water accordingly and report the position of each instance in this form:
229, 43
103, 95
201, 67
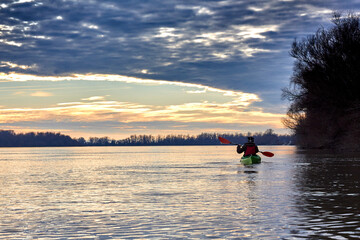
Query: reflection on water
328, 195
176, 192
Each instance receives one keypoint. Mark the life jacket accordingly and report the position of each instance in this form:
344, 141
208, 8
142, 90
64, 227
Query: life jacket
250, 150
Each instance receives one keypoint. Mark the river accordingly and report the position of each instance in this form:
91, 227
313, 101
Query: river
177, 192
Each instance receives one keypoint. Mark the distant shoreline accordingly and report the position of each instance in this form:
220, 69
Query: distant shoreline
8, 138
84, 146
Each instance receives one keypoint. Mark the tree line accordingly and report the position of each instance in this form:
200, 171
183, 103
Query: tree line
8, 138
325, 86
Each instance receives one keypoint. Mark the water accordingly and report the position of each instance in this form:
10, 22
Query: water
176, 193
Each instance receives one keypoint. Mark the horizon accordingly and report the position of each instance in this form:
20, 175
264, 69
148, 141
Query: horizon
9, 138
109, 68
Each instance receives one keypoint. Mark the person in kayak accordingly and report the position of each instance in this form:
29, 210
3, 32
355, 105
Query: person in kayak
249, 148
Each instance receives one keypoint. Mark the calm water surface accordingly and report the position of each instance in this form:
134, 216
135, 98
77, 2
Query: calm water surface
176, 193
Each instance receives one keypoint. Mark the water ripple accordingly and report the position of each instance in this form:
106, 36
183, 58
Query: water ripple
157, 193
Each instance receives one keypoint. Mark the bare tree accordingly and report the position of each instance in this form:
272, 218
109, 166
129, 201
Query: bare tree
325, 85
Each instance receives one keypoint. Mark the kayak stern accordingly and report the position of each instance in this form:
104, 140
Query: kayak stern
252, 159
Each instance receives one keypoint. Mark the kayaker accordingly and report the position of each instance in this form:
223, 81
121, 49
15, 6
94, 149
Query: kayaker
249, 148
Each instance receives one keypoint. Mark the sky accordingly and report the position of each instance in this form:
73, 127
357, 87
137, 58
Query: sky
117, 68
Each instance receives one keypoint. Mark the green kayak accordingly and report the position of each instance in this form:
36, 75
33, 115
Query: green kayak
252, 159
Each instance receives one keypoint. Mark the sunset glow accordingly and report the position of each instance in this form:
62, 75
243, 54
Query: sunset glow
198, 104
95, 68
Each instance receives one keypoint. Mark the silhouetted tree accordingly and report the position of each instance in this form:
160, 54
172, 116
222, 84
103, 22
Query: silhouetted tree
8, 138
325, 86
81, 141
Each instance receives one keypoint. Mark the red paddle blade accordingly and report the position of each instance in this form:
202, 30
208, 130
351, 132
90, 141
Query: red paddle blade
224, 141
268, 154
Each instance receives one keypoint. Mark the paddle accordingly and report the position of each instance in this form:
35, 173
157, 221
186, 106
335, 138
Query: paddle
225, 141
268, 154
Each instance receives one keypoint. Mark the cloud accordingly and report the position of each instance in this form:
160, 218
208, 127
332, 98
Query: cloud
232, 107
17, 77
98, 111
171, 40
41, 94
234, 39
198, 10
33, 94
229, 44
14, 65
94, 98
11, 43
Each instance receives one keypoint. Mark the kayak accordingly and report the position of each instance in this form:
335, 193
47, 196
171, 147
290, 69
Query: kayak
252, 159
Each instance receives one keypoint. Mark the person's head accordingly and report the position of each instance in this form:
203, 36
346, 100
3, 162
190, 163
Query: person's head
250, 139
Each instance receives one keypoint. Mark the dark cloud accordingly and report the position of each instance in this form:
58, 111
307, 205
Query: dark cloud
231, 44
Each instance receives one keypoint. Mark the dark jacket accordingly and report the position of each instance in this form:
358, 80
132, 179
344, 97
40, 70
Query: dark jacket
248, 149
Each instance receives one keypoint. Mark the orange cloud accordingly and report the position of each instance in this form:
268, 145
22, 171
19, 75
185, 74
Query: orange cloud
41, 94
236, 109
93, 111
